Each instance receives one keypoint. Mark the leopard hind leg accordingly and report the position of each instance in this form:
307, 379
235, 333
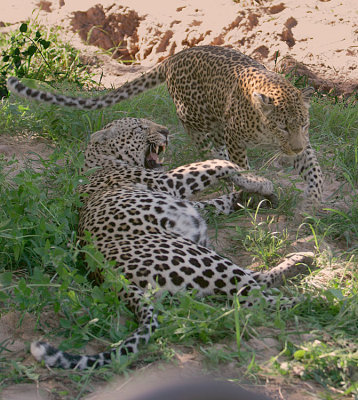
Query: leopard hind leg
293, 265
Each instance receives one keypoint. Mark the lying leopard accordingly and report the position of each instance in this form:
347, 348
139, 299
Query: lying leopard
227, 102
142, 219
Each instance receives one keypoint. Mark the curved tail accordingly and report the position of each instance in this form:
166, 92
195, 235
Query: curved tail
134, 296
146, 81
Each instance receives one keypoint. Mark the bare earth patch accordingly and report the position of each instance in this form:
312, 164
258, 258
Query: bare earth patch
22, 150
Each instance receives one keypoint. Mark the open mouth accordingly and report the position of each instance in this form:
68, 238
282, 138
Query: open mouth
152, 158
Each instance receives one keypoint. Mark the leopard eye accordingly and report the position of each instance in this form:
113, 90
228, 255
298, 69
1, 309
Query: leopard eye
283, 129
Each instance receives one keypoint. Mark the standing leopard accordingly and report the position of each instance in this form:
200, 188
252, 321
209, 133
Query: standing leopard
143, 220
227, 102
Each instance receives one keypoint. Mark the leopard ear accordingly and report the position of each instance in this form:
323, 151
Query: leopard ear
263, 103
99, 137
307, 93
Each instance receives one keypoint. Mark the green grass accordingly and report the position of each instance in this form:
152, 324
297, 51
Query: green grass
336, 128
43, 267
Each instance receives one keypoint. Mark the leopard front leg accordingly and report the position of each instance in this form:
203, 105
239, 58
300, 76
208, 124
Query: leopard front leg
185, 181
237, 154
307, 166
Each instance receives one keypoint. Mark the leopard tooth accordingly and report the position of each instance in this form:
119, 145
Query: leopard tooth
157, 149
161, 160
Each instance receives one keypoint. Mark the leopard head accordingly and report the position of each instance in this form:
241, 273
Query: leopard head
285, 117
132, 141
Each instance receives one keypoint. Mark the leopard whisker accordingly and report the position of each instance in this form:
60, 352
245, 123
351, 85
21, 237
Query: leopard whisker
271, 160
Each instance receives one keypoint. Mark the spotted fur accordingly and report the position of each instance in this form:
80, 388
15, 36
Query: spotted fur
144, 221
227, 102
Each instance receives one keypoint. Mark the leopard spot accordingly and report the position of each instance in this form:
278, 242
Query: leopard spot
160, 279
176, 279
235, 280
220, 283
187, 270
221, 267
194, 262
239, 272
208, 273
176, 260
203, 283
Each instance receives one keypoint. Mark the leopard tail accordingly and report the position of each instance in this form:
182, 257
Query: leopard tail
146, 81
148, 323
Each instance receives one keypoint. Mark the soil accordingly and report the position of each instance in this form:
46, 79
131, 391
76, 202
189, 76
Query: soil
22, 150
317, 39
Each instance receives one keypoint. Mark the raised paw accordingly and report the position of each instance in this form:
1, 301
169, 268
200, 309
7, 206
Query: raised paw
252, 183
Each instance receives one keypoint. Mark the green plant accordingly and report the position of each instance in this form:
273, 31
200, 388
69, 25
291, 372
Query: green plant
334, 128
260, 239
31, 52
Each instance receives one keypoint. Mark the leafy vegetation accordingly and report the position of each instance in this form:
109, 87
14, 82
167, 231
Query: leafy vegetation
43, 267
33, 52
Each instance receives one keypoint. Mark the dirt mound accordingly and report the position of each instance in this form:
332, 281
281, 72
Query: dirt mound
113, 28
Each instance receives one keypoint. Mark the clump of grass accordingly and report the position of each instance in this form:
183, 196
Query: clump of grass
35, 52
334, 130
36, 208
339, 224
259, 239
330, 318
